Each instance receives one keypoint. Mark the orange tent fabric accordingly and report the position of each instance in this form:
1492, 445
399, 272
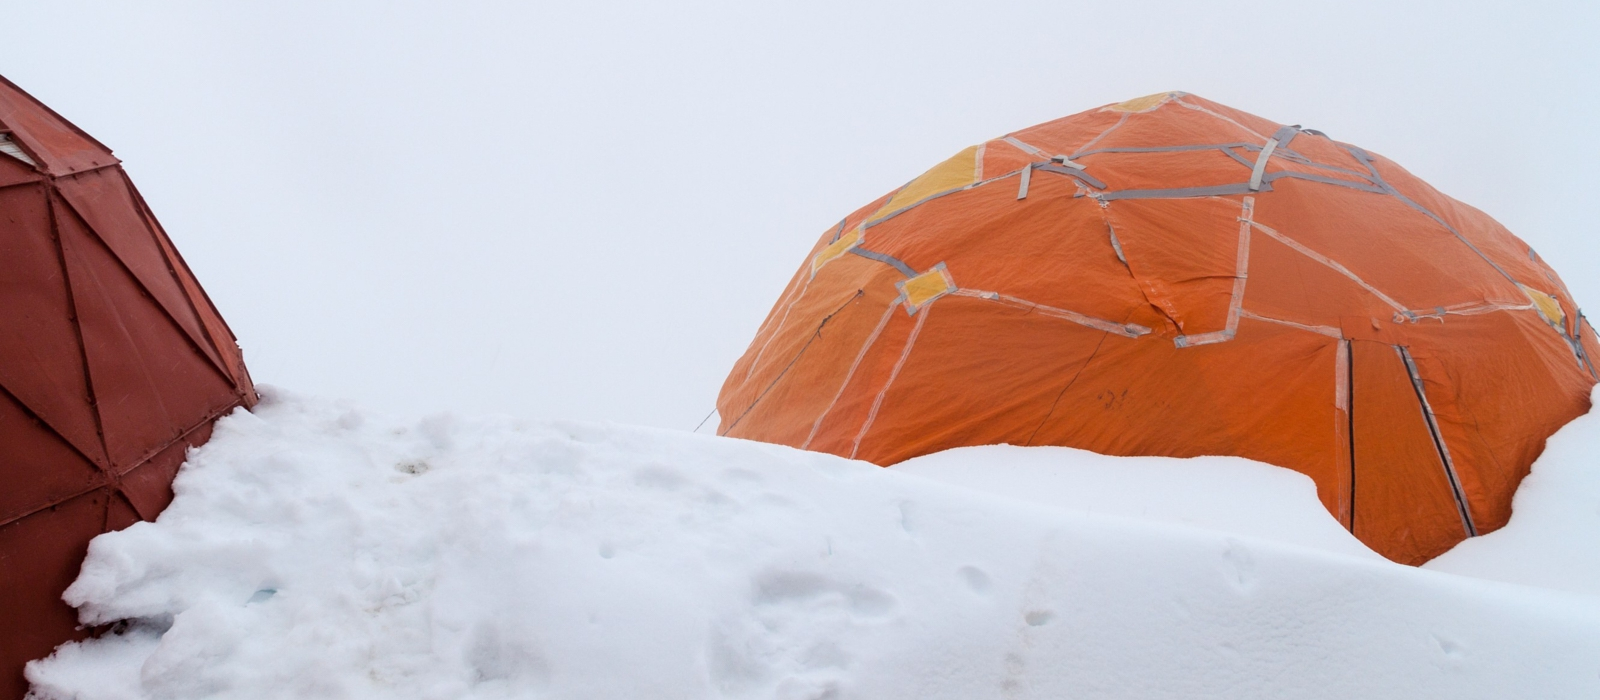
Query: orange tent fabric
1170, 276
112, 363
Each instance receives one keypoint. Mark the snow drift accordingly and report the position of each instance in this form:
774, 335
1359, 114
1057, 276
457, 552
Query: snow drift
315, 550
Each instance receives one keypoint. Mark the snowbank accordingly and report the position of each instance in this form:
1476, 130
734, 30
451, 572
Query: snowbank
1228, 494
1553, 539
317, 551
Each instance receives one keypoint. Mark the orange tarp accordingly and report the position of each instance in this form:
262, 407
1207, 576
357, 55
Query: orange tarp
1170, 276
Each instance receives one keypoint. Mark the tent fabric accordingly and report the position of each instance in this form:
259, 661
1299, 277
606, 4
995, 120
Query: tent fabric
112, 364
1171, 276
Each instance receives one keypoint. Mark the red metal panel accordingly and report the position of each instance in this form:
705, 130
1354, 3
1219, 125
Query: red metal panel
37, 467
58, 145
39, 557
101, 199
41, 362
148, 486
13, 172
119, 512
150, 384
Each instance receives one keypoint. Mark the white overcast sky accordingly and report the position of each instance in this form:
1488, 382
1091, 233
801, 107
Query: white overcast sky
583, 210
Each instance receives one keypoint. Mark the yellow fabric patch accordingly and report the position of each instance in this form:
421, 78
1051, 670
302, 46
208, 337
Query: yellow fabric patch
1141, 104
849, 240
958, 171
926, 287
1547, 305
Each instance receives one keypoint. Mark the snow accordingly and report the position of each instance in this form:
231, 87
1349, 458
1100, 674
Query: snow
1553, 539
319, 550
1229, 494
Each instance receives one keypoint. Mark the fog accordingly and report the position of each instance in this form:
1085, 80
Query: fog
584, 210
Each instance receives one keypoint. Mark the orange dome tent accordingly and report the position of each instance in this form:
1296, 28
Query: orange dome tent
112, 363
1169, 276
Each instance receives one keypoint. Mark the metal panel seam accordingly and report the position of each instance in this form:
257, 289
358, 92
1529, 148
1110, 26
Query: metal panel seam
103, 481
213, 417
194, 343
34, 414
77, 327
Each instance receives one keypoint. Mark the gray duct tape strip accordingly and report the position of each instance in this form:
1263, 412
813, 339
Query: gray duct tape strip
1228, 148
1022, 187
1242, 160
1261, 164
1241, 274
1577, 327
911, 206
1166, 149
1180, 192
1576, 345
1364, 187
1329, 331
1466, 309
1211, 338
1126, 330
1330, 264
1025, 148
1116, 245
1078, 173
1286, 134
1438, 442
1067, 161
886, 259
1366, 160
838, 231
936, 195
1085, 147
1299, 158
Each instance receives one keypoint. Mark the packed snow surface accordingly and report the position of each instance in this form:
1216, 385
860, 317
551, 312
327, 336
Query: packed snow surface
1553, 539
1230, 494
318, 551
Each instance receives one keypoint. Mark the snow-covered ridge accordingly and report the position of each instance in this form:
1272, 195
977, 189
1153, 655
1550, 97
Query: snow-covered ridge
315, 550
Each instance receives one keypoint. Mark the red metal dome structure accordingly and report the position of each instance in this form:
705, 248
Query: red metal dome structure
113, 362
